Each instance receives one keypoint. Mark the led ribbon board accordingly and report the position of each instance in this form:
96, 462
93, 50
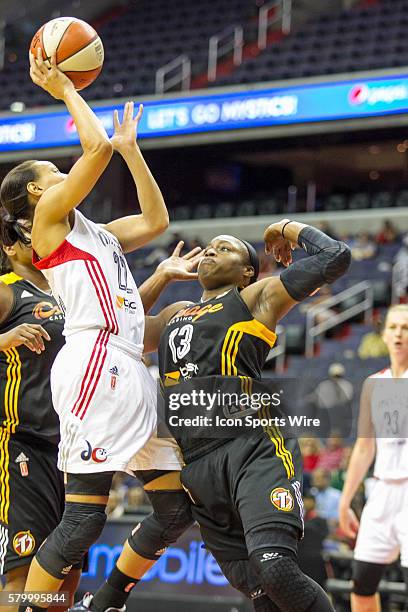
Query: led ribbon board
255, 108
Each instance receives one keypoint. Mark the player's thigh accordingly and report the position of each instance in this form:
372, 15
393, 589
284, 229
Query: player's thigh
207, 483
31, 502
267, 487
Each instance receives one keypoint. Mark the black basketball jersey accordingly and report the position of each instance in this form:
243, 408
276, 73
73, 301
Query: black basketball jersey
26, 406
213, 338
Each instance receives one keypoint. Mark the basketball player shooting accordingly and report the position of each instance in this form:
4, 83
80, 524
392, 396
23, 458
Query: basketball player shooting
104, 423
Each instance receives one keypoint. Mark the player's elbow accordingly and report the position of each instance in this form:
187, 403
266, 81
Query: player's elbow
339, 261
160, 223
101, 148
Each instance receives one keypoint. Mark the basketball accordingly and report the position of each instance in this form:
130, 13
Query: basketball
78, 48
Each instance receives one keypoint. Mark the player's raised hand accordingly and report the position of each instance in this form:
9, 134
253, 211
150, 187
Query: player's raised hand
277, 245
27, 334
181, 267
125, 134
52, 80
348, 521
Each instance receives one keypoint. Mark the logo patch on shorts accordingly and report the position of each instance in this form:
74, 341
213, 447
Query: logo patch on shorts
23, 460
282, 499
24, 543
98, 455
114, 377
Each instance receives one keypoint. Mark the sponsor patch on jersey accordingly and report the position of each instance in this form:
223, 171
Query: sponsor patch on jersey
128, 306
65, 570
24, 543
187, 371
46, 310
282, 499
171, 378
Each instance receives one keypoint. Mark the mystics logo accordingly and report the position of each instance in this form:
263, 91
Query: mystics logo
24, 543
98, 455
371, 95
46, 310
282, 499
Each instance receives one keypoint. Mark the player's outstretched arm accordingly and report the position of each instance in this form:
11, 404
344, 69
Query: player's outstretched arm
270, 299
136, 230
360, 461
57, 201
155, 325
176, 267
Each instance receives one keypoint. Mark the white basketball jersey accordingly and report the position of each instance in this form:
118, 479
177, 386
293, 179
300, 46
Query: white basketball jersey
389, 414
91, 281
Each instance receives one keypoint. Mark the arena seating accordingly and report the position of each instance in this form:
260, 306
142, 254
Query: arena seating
146, 36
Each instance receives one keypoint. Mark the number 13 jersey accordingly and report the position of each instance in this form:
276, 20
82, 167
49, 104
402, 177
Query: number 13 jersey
92, 283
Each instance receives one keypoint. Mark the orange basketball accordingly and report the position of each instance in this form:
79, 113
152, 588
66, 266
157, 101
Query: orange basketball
78, 48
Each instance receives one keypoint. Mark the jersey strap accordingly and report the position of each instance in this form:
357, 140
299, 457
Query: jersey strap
234, 336
10, 278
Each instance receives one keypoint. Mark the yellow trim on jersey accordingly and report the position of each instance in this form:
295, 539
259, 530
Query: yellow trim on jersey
234, 336
278, 440
246, 385
9, 426
10, 278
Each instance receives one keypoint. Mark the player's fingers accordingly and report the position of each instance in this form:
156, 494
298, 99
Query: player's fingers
197, 251
130, 110
139, 113
41, 330
116, 123
177, 250
35, 339
29, 342
191, 275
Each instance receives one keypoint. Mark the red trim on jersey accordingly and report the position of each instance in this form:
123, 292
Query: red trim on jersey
90, 369
107, 294
110, 324
62, 254
101, 358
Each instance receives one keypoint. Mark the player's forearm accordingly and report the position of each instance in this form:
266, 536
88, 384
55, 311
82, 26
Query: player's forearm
360, 461
152, 288
151, 201
328, 260
91, 132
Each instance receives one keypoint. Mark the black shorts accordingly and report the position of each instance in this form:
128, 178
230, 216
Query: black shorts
32, 498
245, 484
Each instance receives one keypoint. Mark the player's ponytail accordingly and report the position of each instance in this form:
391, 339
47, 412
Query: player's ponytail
13, 190
11, 231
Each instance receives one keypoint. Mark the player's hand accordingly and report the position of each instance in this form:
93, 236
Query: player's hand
348, 521
276, 245
177, 267
125, 134
52, 80
27, 334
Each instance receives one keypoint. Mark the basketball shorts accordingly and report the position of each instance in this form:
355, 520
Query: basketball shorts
31, 500
106, 402
245, 484
383, 533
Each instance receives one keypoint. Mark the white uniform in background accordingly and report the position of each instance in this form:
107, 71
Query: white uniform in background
383, 533
102, 392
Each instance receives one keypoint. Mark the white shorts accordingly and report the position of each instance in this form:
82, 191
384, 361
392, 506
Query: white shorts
106, 402
383, 533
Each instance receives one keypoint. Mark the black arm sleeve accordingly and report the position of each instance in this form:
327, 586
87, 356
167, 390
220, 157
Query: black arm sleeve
328, 260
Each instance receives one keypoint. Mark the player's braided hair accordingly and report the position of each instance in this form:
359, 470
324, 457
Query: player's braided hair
11, 231
13, 190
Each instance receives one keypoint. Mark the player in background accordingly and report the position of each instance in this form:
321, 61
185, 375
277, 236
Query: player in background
382, 534
230, 333
102, 392
31, 323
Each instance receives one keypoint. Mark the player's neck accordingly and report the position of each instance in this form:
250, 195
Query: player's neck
210, 294
398, 368
31, 274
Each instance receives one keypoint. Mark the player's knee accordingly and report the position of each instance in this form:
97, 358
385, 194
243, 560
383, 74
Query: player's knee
242, 577
170, 518
366, 578
80, 526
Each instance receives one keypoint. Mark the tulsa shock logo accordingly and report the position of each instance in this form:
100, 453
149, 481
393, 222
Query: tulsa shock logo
98, 455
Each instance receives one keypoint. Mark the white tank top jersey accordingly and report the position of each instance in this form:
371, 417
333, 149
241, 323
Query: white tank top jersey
389, 414
91, 281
